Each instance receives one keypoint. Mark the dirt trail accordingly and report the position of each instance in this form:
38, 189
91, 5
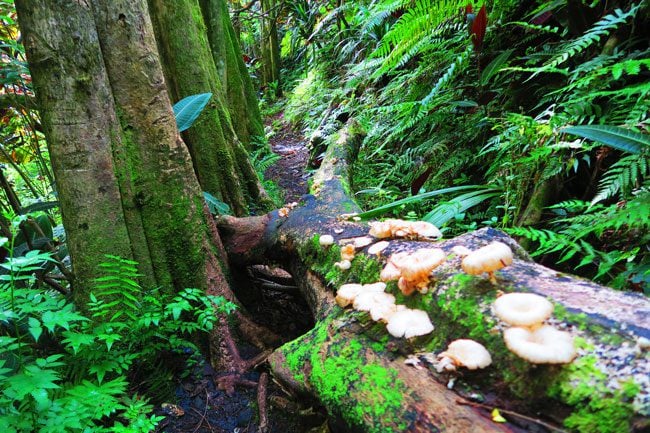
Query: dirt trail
289, 172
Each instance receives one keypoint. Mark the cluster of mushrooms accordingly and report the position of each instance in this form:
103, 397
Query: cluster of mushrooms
528, 337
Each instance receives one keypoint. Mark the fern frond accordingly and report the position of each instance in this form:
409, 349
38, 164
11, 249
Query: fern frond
599, 30
623, 176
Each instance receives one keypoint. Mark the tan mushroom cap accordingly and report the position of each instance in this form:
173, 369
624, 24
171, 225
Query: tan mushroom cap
326, 240
489, 258
403, 229
468, 353
409, 323
545, 345
378, 247
347, 252
522, 309
347, 293
366, 301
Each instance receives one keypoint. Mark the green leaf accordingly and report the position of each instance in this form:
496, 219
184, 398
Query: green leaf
614, 136
494, 67
446, 211
35, 328
188, 109
414, 199
216, 206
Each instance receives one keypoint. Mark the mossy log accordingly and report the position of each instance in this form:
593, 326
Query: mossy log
373, 382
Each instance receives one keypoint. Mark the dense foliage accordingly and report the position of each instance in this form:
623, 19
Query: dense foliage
528, 116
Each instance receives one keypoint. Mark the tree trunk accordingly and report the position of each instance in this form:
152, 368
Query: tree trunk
353, 367
242, 100
220, 161
270, 46
77, 111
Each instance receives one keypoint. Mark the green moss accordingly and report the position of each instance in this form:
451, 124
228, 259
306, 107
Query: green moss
581, 320
598, 409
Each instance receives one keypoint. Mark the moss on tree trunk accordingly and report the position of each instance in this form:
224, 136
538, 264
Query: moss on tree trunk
235, 79
220, 161
83, 135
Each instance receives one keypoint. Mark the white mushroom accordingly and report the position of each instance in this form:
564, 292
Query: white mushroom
545, 345
415, 268
378, 304
404, 229
409, 323
378, 247
489, 258
347, 293
326, 240
343, 265
461, 251
362, 241
464, 353
522, 309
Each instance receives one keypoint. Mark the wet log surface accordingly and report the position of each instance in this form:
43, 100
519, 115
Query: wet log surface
361, 375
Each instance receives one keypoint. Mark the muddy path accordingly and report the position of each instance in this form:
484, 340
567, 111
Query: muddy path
289, 172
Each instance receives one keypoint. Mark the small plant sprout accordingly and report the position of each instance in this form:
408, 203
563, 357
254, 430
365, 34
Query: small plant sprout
347, 293
522, 309
463, 353
489, 258
326, 240
409, 323
413, 269
393, 228
544, 345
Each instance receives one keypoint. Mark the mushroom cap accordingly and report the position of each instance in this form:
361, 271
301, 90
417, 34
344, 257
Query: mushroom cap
347, 293
461, 250
468, 353
343, 265
366, 301
545, 345
409, 323
362, 241
326, 240
420, 263
522, 309
380, 229
423, 229
347, 252
378, 247
489, 258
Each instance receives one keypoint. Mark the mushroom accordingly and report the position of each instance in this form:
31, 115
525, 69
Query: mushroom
489, 258
347, 293
463, 353
343, 265
409, 323
416, 267
378, 247
544, 345
347, 252
326, 240
379, 304
362, 241
461, 250
522, 309
404, 229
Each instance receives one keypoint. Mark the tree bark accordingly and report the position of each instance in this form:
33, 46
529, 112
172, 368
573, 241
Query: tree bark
220, 161
235, 79
76, 106
270, 46
356, 370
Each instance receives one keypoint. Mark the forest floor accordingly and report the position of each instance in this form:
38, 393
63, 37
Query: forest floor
198, 406
290, 171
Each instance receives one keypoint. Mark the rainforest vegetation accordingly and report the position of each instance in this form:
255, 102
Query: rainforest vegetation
136, 204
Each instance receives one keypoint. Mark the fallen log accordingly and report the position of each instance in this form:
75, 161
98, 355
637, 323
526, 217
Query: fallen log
374, 382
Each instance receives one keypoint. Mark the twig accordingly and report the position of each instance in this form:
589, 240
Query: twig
261, 403
203, 418
511, 413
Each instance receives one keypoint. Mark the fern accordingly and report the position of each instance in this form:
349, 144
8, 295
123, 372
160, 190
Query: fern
599, 30
624, 175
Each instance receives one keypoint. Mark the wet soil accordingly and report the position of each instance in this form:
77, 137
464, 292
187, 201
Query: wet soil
198, 406
289, 172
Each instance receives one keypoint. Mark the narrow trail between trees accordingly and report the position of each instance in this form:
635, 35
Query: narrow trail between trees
289, 172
